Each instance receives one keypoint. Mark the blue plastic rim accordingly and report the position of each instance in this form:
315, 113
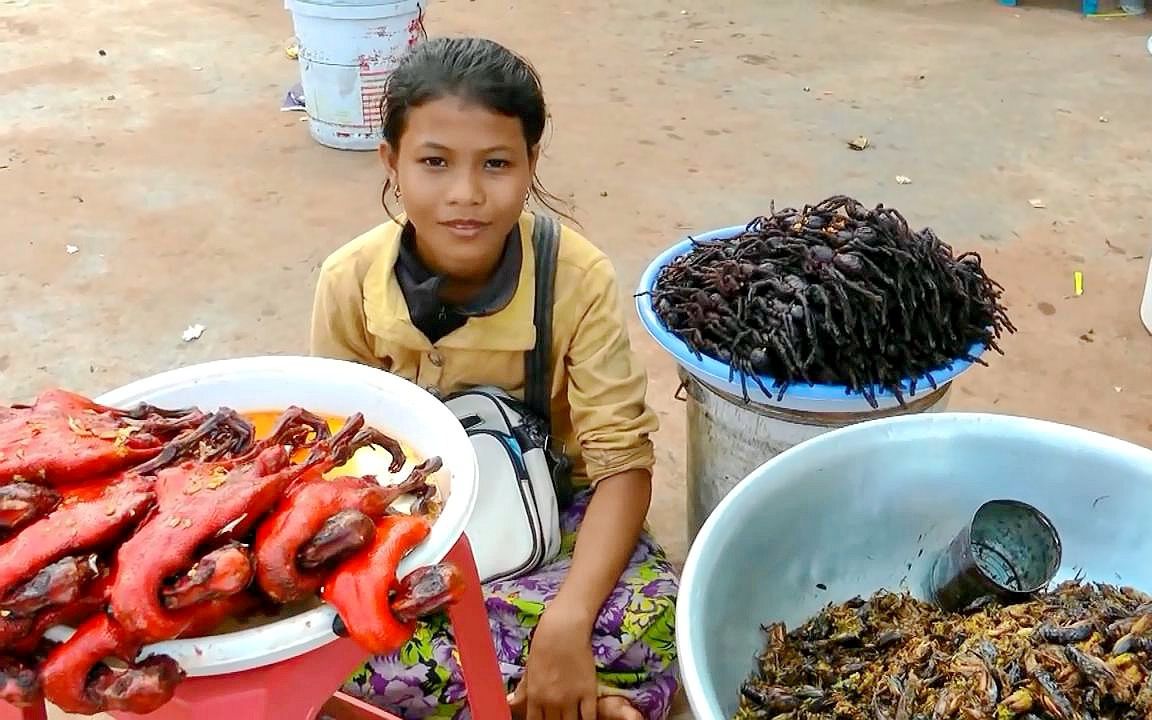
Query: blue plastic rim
718, 371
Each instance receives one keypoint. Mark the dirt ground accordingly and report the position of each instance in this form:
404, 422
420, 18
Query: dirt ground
148, 136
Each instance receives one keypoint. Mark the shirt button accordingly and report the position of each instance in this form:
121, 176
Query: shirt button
436, 358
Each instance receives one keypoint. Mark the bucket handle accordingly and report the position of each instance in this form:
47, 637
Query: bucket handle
420, 29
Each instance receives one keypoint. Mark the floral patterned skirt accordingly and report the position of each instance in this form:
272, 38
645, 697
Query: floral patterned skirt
633, 642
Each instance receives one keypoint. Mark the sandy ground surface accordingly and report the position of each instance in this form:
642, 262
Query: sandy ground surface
192, 199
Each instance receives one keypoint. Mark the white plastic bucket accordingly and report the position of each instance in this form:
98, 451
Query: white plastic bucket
347, 49
328, 387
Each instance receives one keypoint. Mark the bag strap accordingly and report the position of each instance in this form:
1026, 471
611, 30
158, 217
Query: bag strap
538, 361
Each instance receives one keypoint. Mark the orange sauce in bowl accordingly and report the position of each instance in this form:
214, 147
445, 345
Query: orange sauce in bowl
366, 461
264, 420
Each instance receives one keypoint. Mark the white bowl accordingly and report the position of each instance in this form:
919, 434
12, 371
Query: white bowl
328, 388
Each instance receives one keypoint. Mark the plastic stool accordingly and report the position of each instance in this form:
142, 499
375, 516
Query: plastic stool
1088, 7
346, 707
297, 689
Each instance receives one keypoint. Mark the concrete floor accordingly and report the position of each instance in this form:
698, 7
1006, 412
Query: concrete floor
164, 159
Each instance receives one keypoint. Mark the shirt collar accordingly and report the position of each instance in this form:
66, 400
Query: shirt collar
511, 328
421, 286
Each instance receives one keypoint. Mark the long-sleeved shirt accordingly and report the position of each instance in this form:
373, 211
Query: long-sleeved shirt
598, 385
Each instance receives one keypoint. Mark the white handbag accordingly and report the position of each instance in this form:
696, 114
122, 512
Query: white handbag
524, 478
515, 527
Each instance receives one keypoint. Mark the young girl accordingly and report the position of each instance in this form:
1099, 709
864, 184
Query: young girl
443, 296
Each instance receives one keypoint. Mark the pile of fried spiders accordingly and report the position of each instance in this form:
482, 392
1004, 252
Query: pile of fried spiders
833, 293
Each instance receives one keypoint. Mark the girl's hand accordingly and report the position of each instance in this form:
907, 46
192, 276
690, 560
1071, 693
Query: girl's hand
560, 676
560, 680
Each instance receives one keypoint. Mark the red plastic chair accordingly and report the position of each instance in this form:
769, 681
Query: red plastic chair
300, 688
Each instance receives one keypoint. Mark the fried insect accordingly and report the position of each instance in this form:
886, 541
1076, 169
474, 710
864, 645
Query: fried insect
892, 657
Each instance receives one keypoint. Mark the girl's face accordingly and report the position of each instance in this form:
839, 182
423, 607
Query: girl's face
463, 172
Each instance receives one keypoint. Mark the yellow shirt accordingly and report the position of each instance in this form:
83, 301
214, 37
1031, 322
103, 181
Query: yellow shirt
598, 385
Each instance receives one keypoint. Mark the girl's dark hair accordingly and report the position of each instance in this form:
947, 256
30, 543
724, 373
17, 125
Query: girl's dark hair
475, 69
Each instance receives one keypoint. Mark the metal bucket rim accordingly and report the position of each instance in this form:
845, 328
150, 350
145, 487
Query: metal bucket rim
694, 387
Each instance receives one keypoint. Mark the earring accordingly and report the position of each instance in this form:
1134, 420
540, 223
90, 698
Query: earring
527, 198
396, 192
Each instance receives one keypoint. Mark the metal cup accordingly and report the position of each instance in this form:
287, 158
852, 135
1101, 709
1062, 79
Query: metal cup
1009, 550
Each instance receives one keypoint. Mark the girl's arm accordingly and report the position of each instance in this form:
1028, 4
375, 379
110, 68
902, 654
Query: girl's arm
612, 423
605, 543
560, 673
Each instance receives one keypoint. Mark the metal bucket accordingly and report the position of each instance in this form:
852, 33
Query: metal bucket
873, 506
728, 438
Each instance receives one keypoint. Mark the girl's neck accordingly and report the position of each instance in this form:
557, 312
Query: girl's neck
461, 292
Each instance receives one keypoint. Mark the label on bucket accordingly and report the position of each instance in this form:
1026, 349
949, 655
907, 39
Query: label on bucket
330, 90
373, 84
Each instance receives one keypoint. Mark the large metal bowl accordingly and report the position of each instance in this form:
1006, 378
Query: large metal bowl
870, 506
